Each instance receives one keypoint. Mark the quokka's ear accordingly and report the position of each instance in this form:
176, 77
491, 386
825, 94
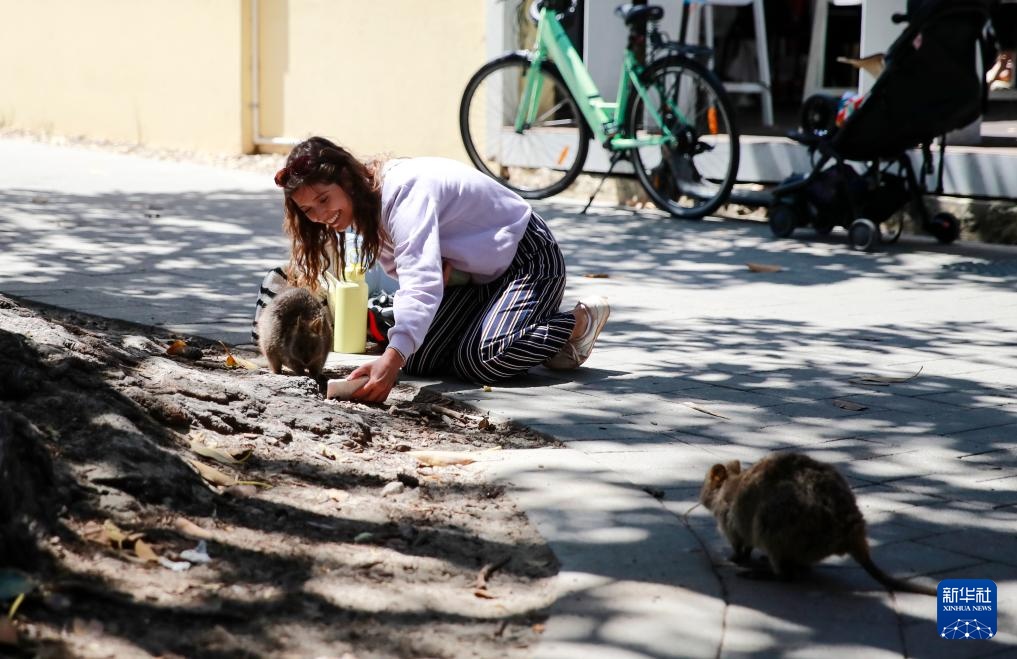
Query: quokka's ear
734, 467
718, 474
315, 324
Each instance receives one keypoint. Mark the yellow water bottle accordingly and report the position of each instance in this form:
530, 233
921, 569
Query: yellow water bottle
348, 302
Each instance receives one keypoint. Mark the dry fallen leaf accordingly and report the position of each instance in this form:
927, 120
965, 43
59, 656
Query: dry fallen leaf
597, 275
216, 477
884, 380
250, 366
144, 552
764, 267
180, 348
177, 347
13, 611
849, 406
112, 534
689, 404
219, 456
441, 459
483, 594
232, 361
190, 529
92, 530
213, 475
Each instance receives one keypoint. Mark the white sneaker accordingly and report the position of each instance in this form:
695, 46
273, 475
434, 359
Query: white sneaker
578, 350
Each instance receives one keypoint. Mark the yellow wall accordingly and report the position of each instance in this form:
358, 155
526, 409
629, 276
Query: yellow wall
158, 72
380, 77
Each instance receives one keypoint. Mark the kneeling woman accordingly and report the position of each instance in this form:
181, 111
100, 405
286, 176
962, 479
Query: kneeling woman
480, 275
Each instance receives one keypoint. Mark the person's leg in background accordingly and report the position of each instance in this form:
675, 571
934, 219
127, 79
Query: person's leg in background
275, 282
1004, 23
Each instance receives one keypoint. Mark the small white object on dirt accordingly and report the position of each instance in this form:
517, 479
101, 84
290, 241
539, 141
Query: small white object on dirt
395, 487
197, 555
176, 566
343, 389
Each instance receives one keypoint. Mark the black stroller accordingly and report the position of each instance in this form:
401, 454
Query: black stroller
930, 85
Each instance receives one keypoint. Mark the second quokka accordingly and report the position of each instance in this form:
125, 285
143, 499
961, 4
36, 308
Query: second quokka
295, 331
795, 509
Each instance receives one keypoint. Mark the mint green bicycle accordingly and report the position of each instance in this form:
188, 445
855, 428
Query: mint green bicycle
527, 117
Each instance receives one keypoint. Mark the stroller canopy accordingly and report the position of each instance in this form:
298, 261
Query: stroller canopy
930, 86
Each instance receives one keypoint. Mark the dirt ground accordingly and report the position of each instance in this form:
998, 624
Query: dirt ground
327, 529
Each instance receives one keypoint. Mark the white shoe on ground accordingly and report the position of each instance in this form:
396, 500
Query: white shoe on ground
577, 351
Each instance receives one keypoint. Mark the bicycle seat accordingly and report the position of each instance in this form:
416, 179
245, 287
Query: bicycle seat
638, 13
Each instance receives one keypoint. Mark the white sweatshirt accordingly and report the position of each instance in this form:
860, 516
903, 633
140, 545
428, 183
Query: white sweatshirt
434, 209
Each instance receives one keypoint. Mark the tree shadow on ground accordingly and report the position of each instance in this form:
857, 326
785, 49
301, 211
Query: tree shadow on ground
822, 612
712, 254
928, 454
773, 379
279, 558
192, 260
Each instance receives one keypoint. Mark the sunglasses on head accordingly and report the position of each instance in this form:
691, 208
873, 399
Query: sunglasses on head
301, 166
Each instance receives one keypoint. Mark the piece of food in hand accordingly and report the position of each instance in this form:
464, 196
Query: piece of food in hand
343, 389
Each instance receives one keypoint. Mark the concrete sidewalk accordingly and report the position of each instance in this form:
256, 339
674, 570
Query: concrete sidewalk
703, 361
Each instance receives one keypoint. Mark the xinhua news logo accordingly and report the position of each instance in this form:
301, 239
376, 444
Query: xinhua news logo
966, 609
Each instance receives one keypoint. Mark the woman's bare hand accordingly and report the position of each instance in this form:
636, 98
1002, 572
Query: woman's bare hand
382, 374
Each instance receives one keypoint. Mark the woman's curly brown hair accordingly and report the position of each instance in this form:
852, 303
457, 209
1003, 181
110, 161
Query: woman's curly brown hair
316, 247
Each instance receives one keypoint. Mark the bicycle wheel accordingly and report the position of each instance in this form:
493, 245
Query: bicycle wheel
693, 177
547, 155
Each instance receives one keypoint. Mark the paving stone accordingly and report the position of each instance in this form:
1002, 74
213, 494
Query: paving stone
619, 433
963, 489
1001, 436
908, 559
807, 619
882, 530
669, 468
998, 544
976, 397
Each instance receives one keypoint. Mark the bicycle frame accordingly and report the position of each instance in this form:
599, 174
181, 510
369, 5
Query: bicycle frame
601, 116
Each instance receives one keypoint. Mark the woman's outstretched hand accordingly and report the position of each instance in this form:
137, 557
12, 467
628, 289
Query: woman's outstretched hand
382, 374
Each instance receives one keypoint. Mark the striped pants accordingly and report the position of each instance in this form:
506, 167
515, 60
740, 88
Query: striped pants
490, 332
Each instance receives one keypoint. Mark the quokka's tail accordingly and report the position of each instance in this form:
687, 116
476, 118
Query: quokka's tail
861, 554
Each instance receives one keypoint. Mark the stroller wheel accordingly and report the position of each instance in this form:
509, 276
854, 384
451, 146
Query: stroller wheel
864, 235
945, 227
783, 218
